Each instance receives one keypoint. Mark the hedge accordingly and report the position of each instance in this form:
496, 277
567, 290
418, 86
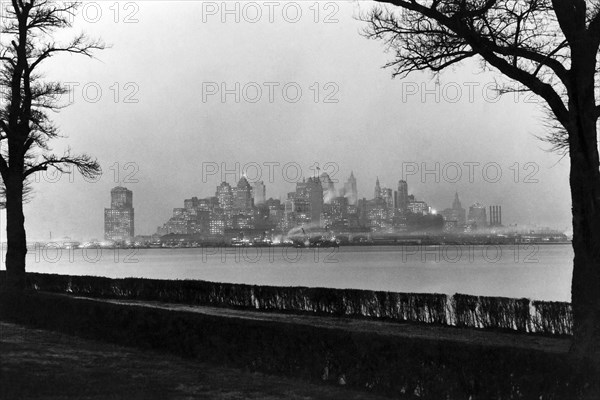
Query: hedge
402, 367
521, 315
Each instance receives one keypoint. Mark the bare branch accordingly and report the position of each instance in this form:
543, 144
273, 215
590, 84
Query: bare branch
79, 45
514, 37
85, 164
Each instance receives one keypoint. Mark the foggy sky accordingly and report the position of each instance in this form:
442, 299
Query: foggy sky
377, 124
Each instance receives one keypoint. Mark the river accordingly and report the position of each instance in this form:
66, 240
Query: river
541, 272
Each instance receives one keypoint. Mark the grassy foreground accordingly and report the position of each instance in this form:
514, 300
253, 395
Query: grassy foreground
38, 364
375, 357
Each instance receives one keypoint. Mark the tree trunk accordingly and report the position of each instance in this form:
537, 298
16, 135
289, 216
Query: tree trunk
585, 288
15, 236
585, 194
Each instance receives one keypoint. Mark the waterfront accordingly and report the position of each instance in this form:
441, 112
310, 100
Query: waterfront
541, 272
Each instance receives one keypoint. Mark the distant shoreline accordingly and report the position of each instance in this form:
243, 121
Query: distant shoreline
419, 243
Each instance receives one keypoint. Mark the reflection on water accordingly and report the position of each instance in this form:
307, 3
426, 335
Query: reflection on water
536, 271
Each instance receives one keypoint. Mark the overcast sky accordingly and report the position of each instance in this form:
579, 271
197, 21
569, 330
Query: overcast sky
351, 115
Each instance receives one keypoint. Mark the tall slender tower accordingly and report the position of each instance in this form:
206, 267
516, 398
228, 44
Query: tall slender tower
458, 213
456, 203
350, 190
377, 189
402, 198
315, 197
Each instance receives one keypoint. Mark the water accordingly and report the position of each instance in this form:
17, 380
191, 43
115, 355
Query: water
541, 272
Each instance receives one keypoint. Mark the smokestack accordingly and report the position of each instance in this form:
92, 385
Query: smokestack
495, 215
500, 215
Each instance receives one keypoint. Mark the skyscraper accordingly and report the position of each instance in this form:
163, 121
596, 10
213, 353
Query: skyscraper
242, 197
402, 199
121, 198
377, 194
119, 218
339, 212
362, 209
387, 195
223, 214
225, 196
328, 187
259, 193
350, 190
459, 212
315, 197
311, 190
455, 216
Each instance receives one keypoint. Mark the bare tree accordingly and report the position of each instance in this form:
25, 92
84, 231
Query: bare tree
548, 47
26, 129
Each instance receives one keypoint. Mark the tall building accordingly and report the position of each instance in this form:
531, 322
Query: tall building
456, 203
387, 195
259, 193
121, 198
350, 190
311, 190
242, 197
276, 212
224, 213
455, 216
339, 212
402, 197
328, 187
362, 210
225, 196
477, 216
377, 193
119, 218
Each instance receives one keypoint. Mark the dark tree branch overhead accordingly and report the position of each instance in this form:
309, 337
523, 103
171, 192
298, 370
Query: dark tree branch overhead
548, 47
26, 103
86, 165
20, 59
80, 45
432, 35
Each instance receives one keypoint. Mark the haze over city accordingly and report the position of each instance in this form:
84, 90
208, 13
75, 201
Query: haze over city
160, 118
300, 199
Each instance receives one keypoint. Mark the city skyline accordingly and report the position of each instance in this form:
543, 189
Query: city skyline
376, 124
297, 199
238, 207
147, 221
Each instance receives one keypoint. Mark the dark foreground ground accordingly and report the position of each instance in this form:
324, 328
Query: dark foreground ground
468, 336
38, 364
311, 355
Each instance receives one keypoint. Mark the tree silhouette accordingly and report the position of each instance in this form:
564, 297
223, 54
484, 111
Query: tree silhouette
548, 47
26, 129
